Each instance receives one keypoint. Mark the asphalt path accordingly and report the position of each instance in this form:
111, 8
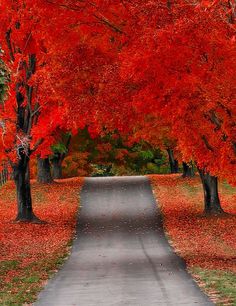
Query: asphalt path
121, 256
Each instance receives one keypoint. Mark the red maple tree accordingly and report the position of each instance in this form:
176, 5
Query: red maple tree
186, 77
56, 53
32, 49
130, 60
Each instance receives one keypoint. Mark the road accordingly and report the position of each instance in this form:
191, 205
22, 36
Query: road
121, 256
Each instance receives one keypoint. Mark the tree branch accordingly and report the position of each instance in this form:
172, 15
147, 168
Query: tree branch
37, 144
101, 18
209, 147
9, 44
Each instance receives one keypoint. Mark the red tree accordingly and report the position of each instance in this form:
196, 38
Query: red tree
54, 83
32, 49
186, 76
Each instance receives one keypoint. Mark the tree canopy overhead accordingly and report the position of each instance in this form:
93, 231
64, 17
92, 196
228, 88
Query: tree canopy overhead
138, 67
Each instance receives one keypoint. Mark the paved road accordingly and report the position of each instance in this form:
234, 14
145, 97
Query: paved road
121, 256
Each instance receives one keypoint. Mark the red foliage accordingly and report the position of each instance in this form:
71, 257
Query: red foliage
186, 77
207, 242
61, 89
53, 82
30, 243
149, 68
77, 164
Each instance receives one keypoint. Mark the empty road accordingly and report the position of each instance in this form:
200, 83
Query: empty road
121, 256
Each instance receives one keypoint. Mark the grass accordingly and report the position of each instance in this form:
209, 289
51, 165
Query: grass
8, 265
221, 285
227, 189
208, 244
23, 289
30, 254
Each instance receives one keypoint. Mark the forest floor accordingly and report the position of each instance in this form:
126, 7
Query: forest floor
208, 244
31, 253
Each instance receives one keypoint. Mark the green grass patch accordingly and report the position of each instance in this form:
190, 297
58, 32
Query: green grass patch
24, 287
190, 188
219, 284
27, 279
8, 265
227, 188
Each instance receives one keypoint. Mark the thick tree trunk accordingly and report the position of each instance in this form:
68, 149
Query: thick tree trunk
44, 171
22, 181
56, 167
211, 195
188, 170
174, 165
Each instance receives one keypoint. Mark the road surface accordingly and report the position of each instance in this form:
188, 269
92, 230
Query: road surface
121, 256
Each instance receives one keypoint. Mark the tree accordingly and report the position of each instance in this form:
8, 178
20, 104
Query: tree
211, 196
60, 150
187, 78
33, 108
204, 90
188, 169
109, 80
44, 174
53, 83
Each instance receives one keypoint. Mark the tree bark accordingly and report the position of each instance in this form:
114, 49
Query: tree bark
21, 175
188, 170
58, 157
211, 195
174, 165
57, 167
44, 171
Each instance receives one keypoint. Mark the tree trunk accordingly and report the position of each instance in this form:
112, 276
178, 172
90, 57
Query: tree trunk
21, 175
188, 170
56, 167
44, 171
174, 165
211, 196
58, 157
